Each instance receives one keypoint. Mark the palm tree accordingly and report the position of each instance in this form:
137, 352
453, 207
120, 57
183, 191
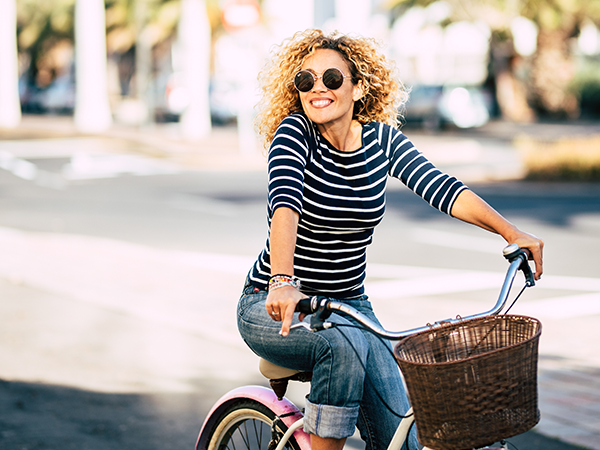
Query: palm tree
144, 28
550, 70
553, 65
145, 24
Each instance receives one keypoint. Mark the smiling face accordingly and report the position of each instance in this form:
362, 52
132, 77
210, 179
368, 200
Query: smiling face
328, 107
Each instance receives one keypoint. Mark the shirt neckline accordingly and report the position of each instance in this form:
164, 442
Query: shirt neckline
337, 151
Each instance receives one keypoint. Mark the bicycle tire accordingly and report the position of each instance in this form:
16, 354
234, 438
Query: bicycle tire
243, 424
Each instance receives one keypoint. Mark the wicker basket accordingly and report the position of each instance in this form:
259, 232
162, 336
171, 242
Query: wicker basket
474, 382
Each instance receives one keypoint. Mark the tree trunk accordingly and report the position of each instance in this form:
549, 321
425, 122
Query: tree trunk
143, 63
92, 110
10, 107
194, 40
551, 72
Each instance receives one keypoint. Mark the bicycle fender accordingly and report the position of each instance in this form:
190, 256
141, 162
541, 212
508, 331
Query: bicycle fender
268, 398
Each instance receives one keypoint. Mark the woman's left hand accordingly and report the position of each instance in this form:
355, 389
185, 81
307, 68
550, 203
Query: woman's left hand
536, 250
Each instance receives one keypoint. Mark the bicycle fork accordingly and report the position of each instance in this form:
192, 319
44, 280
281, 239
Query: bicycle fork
277, 440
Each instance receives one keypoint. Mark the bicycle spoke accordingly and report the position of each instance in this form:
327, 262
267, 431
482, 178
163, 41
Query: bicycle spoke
257, 433
247, 426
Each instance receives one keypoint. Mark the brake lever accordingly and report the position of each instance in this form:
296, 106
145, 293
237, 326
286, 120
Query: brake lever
317, 319
529, 278
314, 327
301, 325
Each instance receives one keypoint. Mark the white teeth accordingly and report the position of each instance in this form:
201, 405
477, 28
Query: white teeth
319, 103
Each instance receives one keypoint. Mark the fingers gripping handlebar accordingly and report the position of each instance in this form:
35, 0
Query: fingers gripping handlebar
318, 307
308, 305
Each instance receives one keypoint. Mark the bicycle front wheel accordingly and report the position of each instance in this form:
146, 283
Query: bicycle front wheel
245, 425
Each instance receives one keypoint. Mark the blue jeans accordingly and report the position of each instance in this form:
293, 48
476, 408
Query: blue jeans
342, 395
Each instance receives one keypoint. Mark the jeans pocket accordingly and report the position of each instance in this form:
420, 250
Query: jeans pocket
247, 300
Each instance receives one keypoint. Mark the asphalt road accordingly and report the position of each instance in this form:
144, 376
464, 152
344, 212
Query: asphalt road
118, 285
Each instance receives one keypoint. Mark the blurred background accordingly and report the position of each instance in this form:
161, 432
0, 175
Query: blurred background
133, 190
466, 61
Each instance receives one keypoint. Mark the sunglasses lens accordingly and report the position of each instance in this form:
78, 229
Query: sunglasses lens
304, 81
333, 79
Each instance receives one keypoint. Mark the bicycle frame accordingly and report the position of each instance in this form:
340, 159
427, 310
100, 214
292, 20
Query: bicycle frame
293, 418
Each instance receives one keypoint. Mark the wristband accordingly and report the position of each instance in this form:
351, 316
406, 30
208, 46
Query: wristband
281, 280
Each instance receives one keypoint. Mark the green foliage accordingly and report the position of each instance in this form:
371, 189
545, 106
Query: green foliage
42, 23
37, 21
547, 14
42, 26
586, 86
550, 70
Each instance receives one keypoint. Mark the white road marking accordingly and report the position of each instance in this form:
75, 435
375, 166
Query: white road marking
28, 171
84, 166
89, 159
433, 285
455, 240
396, 271
197, 292
61, 148
563, 307
570, 283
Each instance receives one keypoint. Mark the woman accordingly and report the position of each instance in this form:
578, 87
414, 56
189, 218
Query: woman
329, 112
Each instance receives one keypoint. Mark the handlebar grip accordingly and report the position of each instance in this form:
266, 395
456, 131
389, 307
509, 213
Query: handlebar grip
310, 305
305, 306
513, 252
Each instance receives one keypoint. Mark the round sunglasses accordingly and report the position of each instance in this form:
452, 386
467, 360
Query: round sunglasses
332, 79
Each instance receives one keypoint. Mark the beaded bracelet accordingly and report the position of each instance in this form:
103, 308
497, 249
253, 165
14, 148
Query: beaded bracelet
281, 280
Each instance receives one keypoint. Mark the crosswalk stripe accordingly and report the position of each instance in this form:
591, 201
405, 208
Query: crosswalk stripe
566, 307
158, 282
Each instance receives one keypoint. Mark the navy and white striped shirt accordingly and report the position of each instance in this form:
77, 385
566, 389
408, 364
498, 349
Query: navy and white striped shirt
340, 197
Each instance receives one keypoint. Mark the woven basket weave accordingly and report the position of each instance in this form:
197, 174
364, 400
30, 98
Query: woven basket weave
474, 382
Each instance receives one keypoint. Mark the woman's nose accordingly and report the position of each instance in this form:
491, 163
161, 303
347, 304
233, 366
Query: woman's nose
319, 85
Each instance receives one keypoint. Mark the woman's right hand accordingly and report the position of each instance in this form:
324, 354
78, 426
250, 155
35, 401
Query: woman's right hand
281, 305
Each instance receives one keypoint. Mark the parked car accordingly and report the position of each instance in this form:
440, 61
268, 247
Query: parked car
169, 97
172, 99
56, 98
434, 106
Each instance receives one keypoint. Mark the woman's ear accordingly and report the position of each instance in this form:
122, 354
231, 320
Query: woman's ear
358, 91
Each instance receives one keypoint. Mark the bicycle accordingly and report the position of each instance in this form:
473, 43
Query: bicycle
258, 418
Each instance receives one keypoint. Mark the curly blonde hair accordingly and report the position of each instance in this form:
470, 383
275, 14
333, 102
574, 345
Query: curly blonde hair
383, 97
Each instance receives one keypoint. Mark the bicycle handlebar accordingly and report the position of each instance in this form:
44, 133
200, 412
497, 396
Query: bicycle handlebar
322, 307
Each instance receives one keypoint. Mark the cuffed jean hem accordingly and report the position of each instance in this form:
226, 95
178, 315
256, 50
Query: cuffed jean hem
327, 421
